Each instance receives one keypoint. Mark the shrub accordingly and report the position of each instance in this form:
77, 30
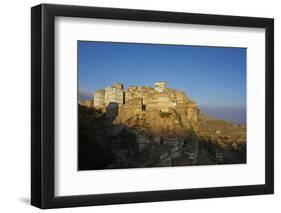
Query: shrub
165, 114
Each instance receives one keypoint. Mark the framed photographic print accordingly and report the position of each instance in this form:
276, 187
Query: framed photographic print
139, 106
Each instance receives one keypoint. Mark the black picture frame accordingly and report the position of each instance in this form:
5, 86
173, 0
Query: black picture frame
43, 102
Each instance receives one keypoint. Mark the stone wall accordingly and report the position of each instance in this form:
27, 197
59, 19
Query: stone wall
138, 99
138, 92
99, 98
114, 95
135, 105
160, 102
159, 86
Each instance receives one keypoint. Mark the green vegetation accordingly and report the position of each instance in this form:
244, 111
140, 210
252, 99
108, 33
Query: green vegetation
165, 114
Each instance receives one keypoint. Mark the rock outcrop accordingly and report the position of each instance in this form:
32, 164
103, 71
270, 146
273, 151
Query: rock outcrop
160, 110
156, 126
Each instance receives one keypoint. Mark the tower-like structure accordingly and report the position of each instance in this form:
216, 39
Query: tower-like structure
99, 98
114, 94
159, 86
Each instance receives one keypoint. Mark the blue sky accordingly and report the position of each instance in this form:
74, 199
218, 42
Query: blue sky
214, 77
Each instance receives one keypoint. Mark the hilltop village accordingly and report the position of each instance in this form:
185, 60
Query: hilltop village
114, 99
167, 128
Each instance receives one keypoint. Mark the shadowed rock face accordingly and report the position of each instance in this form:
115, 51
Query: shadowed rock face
148, 142
151, 127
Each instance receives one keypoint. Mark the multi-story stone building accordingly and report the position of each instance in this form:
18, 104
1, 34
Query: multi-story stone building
99, 99
114, 94
143, 98
135, 104
159, 86
109, 99
160, 102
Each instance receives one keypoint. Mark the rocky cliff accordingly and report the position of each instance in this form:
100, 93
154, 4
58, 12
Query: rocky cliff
168, 112
146, 127
162, 111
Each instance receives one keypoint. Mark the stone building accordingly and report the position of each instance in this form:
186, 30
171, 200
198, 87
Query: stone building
138, 92
111, 95
156, 139
99, 99
118, 86
164, 155
143, 98
159, 102
114, 94
159, 86
135, 105
143, 141
173, 141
